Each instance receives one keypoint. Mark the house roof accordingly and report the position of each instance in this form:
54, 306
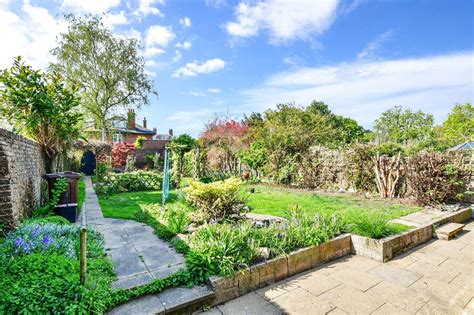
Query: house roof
468, 145
139, 129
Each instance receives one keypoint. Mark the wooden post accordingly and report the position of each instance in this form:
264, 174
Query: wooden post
83, 248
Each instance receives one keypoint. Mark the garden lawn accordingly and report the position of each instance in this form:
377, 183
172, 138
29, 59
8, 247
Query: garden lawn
366, 217
129, 204
276, 201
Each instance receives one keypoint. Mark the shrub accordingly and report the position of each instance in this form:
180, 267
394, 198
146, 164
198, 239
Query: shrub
177, 220
218, 200
220, 249
435, 178
301, 230
139, 142
103, 168
372, 225
60, 186
120, 153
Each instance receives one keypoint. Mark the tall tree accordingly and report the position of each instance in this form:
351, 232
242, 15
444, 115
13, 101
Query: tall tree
459, 126
40, 107
404, 126
109, 70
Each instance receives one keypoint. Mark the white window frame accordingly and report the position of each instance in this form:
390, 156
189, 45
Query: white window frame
117, 137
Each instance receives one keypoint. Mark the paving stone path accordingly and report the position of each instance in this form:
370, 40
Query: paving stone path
434, 278
138, 255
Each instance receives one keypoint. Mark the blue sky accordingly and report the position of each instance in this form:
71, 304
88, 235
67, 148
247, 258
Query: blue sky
216, 57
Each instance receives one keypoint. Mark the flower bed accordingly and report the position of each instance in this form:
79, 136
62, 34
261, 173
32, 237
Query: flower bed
40, 271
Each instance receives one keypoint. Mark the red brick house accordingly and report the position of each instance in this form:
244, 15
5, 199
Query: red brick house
127, 130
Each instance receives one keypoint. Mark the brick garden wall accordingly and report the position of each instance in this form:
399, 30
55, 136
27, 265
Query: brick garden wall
22, 166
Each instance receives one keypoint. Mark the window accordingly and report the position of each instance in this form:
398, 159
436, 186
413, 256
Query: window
117, 138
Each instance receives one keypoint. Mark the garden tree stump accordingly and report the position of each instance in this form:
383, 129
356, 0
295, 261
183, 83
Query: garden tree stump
387, 174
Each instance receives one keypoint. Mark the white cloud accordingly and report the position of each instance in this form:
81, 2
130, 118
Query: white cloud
284, 20
185, 21
89, 6
159, 35
363, 90
192, 69
147, 7
216, 3
111, 19
214, 90
31, 33
371, 50
177, 56
150, 63
194, 93
130, 33
184, 45
152, 51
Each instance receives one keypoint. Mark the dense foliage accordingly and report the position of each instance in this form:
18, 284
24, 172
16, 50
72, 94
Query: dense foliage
120, 153
459, 126
40, 271
222, 249
436, 178
40, 107
217, 201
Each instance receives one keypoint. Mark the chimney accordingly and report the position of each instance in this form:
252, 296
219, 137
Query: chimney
170, 132
144, 122
131, 119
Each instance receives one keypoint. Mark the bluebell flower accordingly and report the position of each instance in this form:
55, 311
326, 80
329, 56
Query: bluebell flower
37, 230
46, 242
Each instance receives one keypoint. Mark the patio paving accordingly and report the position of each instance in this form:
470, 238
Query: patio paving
138, 255
434, 278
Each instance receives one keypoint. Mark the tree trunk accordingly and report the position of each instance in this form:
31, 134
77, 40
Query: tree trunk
51, 164
104, 135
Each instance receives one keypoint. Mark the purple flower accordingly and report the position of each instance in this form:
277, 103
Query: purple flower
36, 231
46, 242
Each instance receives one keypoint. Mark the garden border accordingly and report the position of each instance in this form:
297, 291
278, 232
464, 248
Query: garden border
385, 249
263, 274
274, 270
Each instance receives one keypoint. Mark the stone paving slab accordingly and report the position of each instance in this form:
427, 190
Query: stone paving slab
138, 255
435, 278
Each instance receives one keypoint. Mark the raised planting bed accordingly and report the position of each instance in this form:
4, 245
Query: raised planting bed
263, 274
387, 248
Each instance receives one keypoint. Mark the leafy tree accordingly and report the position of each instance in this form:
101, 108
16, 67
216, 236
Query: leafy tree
348, 130
459, 126
179, 147
288, 132
109, 70
40, 107
403, 126
255, 156
226, 136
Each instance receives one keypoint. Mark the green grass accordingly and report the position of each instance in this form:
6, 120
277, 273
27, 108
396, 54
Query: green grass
366, 217
128, 205
276, 201
82, 194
